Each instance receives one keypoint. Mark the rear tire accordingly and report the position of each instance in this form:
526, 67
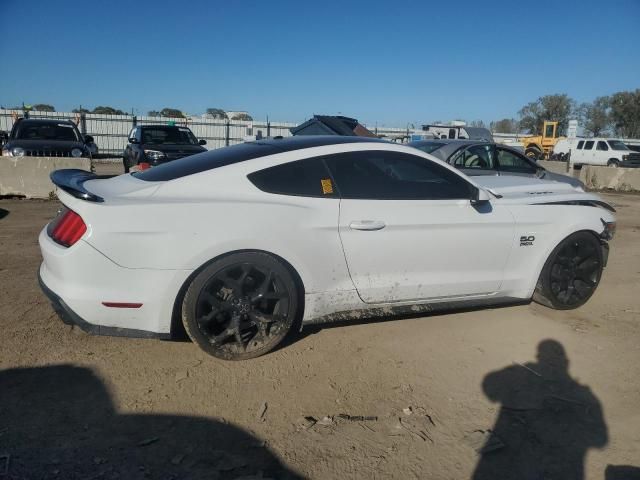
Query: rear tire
572, 272
241, 306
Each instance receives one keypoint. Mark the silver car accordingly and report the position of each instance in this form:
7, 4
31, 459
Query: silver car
475, 158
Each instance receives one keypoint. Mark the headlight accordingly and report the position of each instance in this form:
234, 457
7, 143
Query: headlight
154, 154
625, 157
609, 230
76, 152
17, 152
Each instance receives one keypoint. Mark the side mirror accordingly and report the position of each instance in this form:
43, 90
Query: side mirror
202, 142
133, 140
480, 197
88, 139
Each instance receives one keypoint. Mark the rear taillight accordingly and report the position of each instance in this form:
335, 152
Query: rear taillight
144, 166
68, 228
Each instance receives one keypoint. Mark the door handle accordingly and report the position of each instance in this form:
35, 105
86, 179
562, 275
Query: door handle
368, 225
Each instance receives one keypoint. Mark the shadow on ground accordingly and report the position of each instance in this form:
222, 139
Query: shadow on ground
59, 422
546, 423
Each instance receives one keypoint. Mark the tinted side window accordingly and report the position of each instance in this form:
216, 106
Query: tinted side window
588, 145
580, 144
307, 178
512, 162
602, 146
379, 175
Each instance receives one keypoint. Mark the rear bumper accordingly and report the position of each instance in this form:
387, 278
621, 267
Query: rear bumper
80, 280
68, 316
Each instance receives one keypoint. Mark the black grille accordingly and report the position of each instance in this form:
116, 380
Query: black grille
47, 153
175, 156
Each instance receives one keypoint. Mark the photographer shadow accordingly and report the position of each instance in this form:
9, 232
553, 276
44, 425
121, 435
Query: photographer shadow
547, 420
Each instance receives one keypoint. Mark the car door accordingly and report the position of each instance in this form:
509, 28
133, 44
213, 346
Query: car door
410, 232
475, 160
588, 153
509, 162
601, 153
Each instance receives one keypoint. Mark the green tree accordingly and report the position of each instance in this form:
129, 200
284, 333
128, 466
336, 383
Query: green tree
506, 125
477, 123
153, 113
171, 112
595, 116
625, 113
108, 111
80, 110
242, 116
44, 107
217, 113
557, 107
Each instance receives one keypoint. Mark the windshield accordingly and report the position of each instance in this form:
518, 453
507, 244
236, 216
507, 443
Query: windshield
428, 147
617, 145
47, 131
168, 135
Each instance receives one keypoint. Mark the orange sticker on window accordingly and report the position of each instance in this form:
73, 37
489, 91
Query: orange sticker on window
327, 186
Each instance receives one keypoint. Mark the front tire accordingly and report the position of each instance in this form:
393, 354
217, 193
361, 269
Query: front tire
241, 306
613, 163
572, 272
534, 154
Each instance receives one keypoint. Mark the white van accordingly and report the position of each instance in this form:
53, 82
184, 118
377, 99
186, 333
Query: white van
598, 151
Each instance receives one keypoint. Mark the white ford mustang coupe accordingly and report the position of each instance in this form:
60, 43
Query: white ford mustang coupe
243, 244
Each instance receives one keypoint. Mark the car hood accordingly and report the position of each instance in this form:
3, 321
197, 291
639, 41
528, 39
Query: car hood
527, 190
559, 177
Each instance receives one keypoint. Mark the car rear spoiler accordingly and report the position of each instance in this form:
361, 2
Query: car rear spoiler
71, 180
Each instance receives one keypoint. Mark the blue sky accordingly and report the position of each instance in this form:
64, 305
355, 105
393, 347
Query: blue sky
386, 62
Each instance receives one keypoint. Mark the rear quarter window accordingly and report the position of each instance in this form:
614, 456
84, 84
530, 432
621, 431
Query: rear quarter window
306, 178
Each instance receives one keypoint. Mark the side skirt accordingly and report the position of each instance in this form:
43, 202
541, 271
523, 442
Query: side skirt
387, 311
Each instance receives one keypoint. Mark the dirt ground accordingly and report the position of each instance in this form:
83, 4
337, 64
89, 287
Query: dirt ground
401, 398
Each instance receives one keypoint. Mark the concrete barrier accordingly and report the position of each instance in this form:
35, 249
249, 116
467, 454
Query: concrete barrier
555, 167
29, 176
609, 178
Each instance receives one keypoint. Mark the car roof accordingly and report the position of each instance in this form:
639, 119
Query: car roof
308, 141
45, 120
244, 151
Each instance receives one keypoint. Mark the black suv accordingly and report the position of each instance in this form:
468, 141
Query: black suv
46, 138
155, 144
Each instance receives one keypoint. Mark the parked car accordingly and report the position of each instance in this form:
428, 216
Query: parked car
602, 151
485, 158
243, 244
46, 138
151, 145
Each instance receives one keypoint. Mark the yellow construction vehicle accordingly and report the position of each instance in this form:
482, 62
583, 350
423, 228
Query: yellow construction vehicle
539, 147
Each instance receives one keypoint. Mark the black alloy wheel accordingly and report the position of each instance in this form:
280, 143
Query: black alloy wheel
572, 272
241, 306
